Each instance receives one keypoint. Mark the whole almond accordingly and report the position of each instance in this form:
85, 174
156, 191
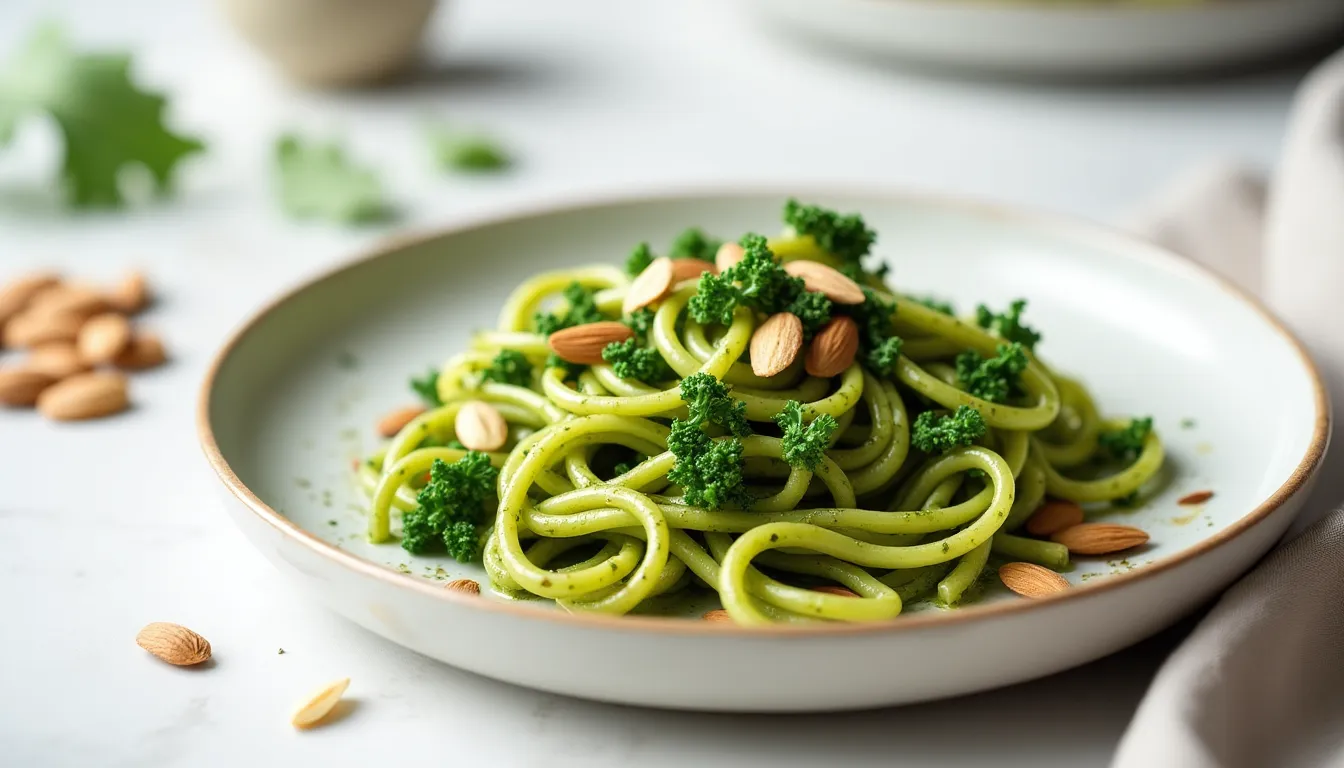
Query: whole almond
718, 615
583, 344
84, 396
480, 427
103, 337
69, 299
173, 643
833, 348
691, 269
826, 280
728, 255
1031, 580
1198, 497
59, 359
775, 344
1054, 516
832, 589
145, 350
130, 295
652, 284
465, 586
31, 328
20, 387
394, 422
320, 704
16, 294
1100, 538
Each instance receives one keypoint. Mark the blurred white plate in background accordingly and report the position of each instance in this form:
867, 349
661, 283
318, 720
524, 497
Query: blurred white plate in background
1063, 37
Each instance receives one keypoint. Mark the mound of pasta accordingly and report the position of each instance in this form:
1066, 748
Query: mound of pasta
764, 419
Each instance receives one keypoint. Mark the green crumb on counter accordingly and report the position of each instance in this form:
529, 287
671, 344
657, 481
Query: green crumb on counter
280, 652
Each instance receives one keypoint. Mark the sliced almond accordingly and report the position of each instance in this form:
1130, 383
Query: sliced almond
1198, 497
130, 295
728, 255
653, 283
717, 615
776, 343
84, 396
144, 351
827, 280
1054, 516
69, 299
1031, 580
103, 337
394, 422
480, 427
320, 704
31, 328
20, 387
583, 344
1100, 538
465, 586
59, 359
691, 269
832, 589
833, 348
16, 294
173, 643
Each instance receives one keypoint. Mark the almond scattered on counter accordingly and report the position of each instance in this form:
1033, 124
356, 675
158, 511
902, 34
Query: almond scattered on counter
173, 643
481, 427
1100, 538
775, 344
465, 586
320, 704
70, 329
1031, 580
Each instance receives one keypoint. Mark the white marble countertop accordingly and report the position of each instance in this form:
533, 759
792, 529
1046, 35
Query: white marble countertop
109, 525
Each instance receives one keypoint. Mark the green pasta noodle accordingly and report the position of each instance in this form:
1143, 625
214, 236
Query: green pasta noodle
614, 495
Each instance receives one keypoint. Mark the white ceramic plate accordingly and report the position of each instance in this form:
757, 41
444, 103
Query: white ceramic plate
292, 399
1062, 37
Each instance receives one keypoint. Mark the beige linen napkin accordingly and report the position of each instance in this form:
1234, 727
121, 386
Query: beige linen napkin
1260, 682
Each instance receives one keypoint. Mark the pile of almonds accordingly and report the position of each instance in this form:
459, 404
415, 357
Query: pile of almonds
78, 341
1062, 522
776, 343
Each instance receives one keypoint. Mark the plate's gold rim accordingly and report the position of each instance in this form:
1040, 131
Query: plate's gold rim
1073, 228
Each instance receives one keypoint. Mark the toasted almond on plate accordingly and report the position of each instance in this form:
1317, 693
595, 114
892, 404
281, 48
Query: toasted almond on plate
84, 396
1054, 516
173, 643
833, 348
1100, 538
130, 295
481, 427
691, 269
775, 344
145, 350
69, 299
465, 586
1198, 497
103, 337
16, 294
717, 615
320, 704
832, 589
394, 422
583, 344
59, 359
31, 328
20, 387
1031, 580
728, 255
826, 280
652, 284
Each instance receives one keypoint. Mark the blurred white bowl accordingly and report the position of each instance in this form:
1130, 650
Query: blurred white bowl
1063, 37
333, 42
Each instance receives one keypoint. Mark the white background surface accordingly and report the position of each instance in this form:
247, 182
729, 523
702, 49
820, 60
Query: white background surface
107, 526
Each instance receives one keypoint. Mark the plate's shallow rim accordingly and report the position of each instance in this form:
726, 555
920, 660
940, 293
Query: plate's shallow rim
1073, 228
